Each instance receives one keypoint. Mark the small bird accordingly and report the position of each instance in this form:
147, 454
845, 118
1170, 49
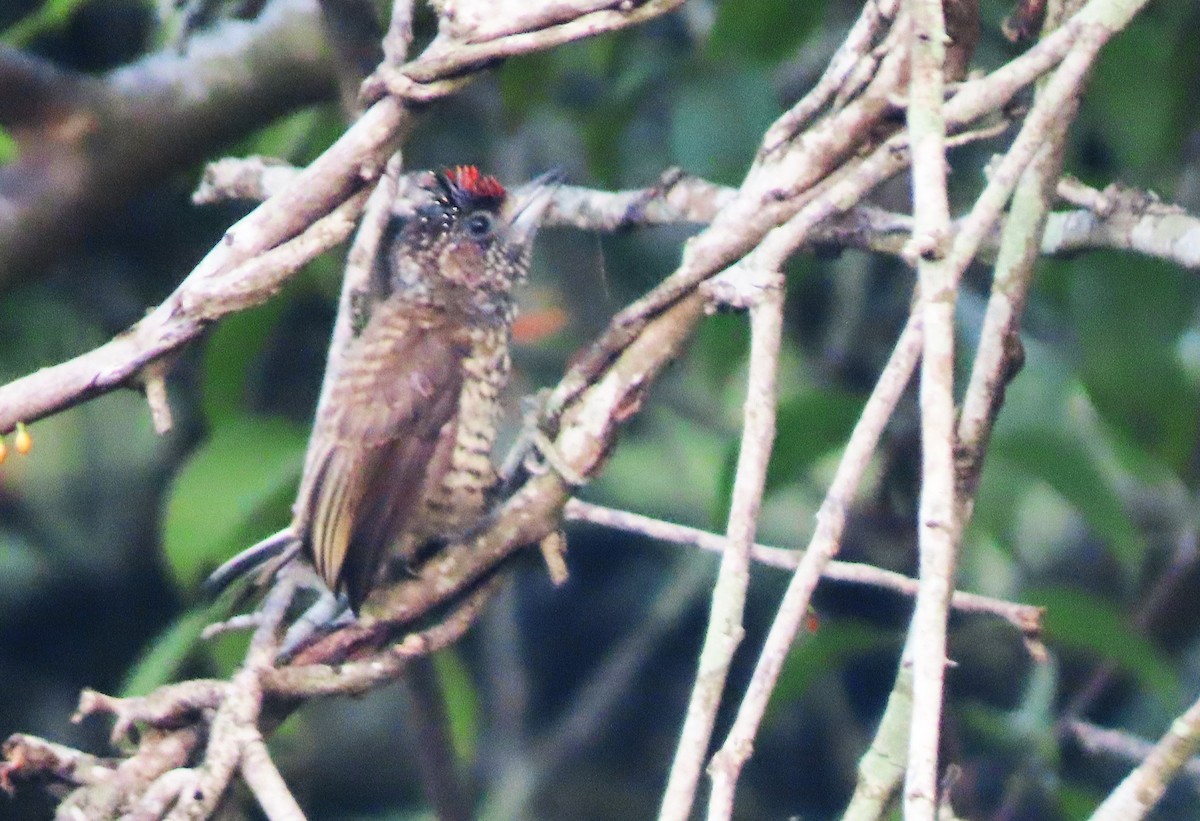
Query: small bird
400, 453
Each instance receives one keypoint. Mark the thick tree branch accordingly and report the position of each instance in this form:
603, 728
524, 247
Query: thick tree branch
84, 142
1116, 219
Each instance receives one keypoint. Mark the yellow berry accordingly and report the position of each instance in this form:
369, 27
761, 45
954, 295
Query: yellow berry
23, 441
3, 450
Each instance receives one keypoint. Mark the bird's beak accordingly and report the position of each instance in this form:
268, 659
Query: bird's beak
528, 205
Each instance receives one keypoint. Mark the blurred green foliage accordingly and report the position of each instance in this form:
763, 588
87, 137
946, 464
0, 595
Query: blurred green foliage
48, 16
9, 150
763, 31
462, 702
1081, 622
235, 489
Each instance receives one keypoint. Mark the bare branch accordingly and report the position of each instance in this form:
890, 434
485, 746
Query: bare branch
399, 34
844, 77
28, 757
1024, 617
309, 679
84, 141
158, 753
173, 705
999, 355
1126, 219
243, 178
234, 726
267, 785
1141, 790
1119, 218
937, 534
826, 540
725, 629
202, 298
1104, 741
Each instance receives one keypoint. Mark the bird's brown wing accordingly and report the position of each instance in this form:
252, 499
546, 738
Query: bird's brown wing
372, 449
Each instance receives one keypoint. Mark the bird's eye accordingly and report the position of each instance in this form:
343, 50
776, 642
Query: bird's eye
479, 225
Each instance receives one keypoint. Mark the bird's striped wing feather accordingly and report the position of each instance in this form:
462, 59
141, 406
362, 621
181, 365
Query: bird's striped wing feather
373, 452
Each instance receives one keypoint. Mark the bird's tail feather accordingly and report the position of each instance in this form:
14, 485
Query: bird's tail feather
278, 549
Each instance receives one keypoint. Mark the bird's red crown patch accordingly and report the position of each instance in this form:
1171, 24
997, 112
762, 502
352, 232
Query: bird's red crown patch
468, 180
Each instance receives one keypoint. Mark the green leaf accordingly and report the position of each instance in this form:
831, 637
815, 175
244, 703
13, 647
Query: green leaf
462, 702
161, 662
807, 428
827, 649
231, 351
1061, 460
51, 15
234, 490
1086, 622
9, 150
718, 120
763, 30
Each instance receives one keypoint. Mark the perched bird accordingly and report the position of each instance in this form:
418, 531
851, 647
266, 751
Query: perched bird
400, 453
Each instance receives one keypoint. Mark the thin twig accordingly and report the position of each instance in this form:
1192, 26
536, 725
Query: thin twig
1120, 744
399, 34
881, 768
154, 384
826, 540
855, 49
935, 527
1141, 790
1025, 618
258, 279
266, 783
357, 677
725, 629
999, 355
234, 727
169, 706
30, 757
161, 795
